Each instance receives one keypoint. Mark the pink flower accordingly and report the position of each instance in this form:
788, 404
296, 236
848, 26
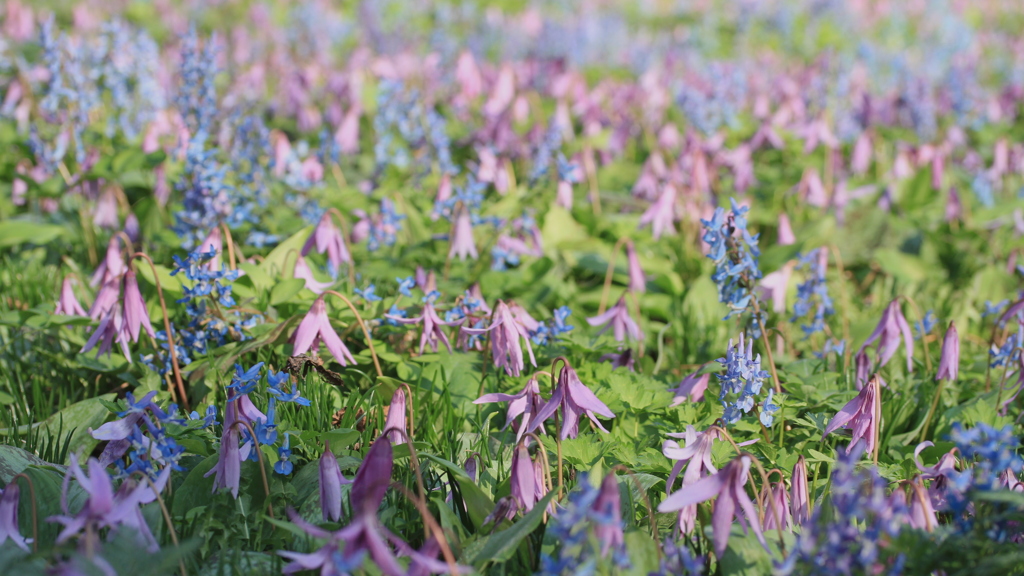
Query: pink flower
303, 272
432, 333
503, 93
505, 335
575, 400
774, 286
396, 418
467, 74
526, 404
563, 197
111, 328
522, 482
331, 480
776, 507
860, 161
68, 304
618, 319
462, 244
347, 135
637, 280
691, 388
732, 501
9, 517
327, 238
786, 236
949, 364
316, 328
135, 314
859, 415
662, 213
800, 496
890, 328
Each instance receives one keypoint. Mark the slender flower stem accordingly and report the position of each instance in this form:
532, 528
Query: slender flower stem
647, 502
231, 245
263, 469
181, 395
412, 411
767, 346
771, 501
1019, 352
608, 275
431, 525
878, 416
547, 463
35, 511
415, 462
931, 410
558, 434
846, 304
167, 520
344, 239
124, 238
369, 341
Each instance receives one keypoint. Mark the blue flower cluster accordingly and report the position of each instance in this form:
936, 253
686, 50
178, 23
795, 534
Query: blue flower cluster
545, 333
571, 529
407, 130
544, 152
130, 75
384, 228
244, 382
678, 561
991, 452
196, 98
812, 298
249, 160
148, 448
926, 325
207, 197
743, 378
848, 537
735, 254
1001, 354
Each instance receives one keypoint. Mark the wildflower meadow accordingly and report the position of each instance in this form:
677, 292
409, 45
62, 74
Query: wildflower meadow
681, 287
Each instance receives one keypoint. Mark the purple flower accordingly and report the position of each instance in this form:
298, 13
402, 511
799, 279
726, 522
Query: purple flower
891, 327
396, 418
526, 404
618, 319
9, 517
523, 482
110, 329
432, 323
316, 327
691, 388
327, 238
949, 364
228, 470
331, 480
776, 493
505, 334
462, 244
637, 280
365, 536
106, 298
732, 501
575, 400
609, 505
662, 213
135, 314
103, 508
68, 304
799, 496
303, 272
859, 415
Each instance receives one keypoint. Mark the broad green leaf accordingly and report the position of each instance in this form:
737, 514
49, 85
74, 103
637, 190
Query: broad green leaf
285, 290
15, 232
500, 546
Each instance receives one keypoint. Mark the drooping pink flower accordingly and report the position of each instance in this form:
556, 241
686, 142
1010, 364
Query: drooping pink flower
9, 517
891, 327
609, 506
461, 242
799, 495
227, 472
467, 74
575, 401
774, 286
326, 237
303, 272
733, 501
618, 319
68, 304
922, 514
522, 482
503, 92
776, 507
505, 335
331, 480
396, 420
526, 404
637, 280
859, 415
316, 328
432, 333
691, 388
662, 213
111, 328
136, 316
786, 236
949, 363
105, 213
860, 161
347, 135
113, 263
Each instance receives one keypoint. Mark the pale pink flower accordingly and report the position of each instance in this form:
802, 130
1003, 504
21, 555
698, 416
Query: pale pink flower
505, 335
316, 328
303, 272
68, 304
661, 214
618, 319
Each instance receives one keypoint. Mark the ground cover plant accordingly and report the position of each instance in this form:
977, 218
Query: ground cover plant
545, 288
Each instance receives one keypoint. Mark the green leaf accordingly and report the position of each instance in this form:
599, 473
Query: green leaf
285, 290
500, 546
14, 461
478, 503
15, 232
79, 418
195, 490
274, 264
168, 283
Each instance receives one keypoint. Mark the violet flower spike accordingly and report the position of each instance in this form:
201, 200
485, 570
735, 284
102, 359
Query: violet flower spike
9, 517
316, 328
526, 404
618, 319
891, 328
575, 400
505, 335
949, 363
396, 418
858, 415
331, 480
732, 501
68, 305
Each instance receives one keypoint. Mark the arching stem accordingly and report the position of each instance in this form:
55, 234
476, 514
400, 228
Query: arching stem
431, 525
344, 240
181, 395
167, 519
231, 245
608, 275
263, 469
366, 333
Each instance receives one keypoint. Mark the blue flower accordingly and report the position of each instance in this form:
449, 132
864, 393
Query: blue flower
276, 381
284, 453
368, 293
405, 285
244, 381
